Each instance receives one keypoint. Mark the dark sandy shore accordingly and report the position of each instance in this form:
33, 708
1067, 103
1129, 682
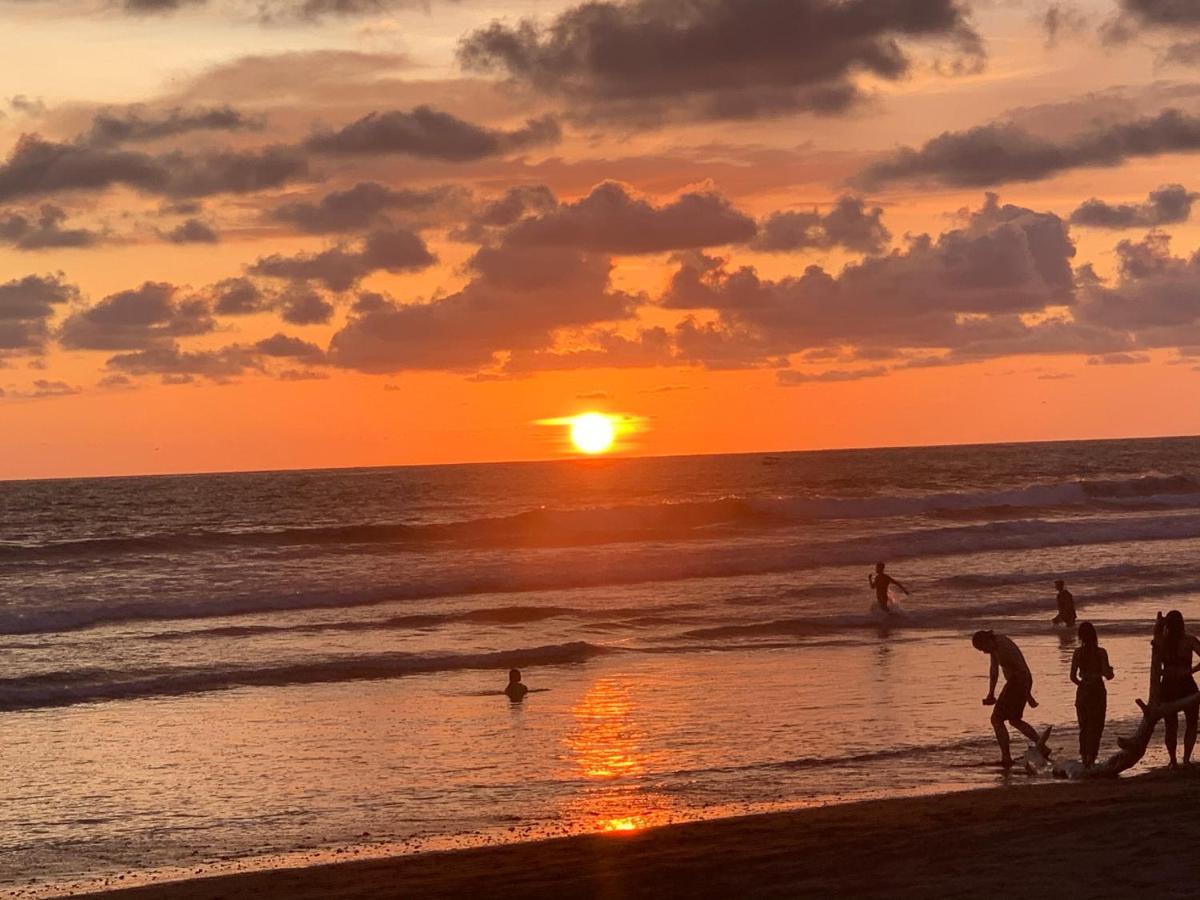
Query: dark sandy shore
1136, 836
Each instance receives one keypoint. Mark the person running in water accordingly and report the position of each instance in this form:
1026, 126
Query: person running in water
1089, 669
881, 582
1175, 648
1066, 605
1009, 708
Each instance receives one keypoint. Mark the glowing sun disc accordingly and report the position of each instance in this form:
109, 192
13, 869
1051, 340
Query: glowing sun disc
593, 433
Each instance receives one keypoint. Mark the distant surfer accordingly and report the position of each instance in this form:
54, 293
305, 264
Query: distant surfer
1066, 605
1009, 708
1089, 670
515, 691
881, 581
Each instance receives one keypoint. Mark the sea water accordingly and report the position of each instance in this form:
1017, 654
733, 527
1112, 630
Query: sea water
210, 672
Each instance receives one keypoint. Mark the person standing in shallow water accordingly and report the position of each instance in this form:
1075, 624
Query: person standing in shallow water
1089, 669
1066, 605
881, 582
1175, 649
515, 691
1009, 708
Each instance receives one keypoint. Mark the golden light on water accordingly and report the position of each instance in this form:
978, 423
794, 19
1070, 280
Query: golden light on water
595, 433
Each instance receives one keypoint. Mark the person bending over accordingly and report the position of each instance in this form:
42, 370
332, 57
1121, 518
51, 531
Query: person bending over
1009, 707
1066, 605
1089, 669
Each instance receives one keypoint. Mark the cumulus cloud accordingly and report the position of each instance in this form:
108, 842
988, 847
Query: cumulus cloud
717, 58
43, 232
37, 167
610, 220
143, 318
848, 224
429, 133
178, 366
340, 267
26, 308
301, 305
516, 300
1005, 152
192, 231
513, 205
237, 297
359, 207
136, 124
1169, 205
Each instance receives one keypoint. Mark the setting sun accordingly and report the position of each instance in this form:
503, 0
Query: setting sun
593, 433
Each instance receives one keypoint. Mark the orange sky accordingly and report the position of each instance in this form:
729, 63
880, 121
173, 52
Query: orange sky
452, 333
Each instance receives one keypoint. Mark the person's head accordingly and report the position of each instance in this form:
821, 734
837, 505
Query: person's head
984, 641
1173, 624
879, 567
1060, 584
1087, 634
514, 676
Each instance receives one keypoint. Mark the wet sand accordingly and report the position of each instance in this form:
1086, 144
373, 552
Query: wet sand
1101, 839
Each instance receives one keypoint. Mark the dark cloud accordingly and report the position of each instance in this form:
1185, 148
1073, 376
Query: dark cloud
358, 208
848, 224
178, 366
716, 58
43, 232
192, 231
37, 167
25, 105
429, 133
142, 318
609, 220
1005, 152
516, 300
301, 305
136, 124
26, 307
1061, 19
1169, 205
237, 297
605, 349
1156, 294
283, 346
339, 268
792, 378
1182, 53
1118, 359
515, 204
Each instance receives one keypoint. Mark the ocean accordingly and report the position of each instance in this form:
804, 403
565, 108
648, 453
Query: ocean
213, 672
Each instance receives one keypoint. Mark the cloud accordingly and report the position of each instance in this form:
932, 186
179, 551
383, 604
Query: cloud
177, 366
1061, 19
1169, 205
791, 378
604, 349
1005, 152
609, 220
339, 268
192, 231
283, 346
848, 224
44, 232
358, 208
516, 300
716, 58
429, 133
26, 307
237, 297
509, 208
593, 395
143, 318
1118, 359
37, 167
136, 125
301, 305
1156, 294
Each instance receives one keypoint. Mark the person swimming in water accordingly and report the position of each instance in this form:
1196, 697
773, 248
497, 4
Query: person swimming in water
1009, 708
1066, 605
1089, 670
1175, 650
881, 582
515, 691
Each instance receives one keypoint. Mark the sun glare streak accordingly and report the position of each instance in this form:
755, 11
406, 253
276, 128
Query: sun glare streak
596, 433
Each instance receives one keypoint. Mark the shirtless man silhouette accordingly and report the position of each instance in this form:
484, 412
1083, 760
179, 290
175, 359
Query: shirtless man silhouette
881, 582
1009, 707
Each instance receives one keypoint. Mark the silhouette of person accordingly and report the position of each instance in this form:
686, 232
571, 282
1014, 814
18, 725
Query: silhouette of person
1066, 605
1009, 708
1089, 669
515, 691
1175, 648
881, 582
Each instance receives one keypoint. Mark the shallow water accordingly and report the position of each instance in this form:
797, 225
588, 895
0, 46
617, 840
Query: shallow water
223, 671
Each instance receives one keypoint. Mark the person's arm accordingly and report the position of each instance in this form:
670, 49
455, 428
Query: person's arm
992, 678
871, 579
1195, 641
1075, 668
1108, 669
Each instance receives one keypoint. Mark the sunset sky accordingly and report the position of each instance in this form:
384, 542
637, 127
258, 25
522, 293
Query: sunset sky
306, 233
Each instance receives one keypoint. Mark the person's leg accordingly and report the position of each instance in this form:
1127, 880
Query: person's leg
1026, 729
1189, 733
1099, 716
1171, 735
1002, 739
1082, 718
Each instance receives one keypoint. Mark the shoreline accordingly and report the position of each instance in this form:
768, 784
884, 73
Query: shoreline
1095, 839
